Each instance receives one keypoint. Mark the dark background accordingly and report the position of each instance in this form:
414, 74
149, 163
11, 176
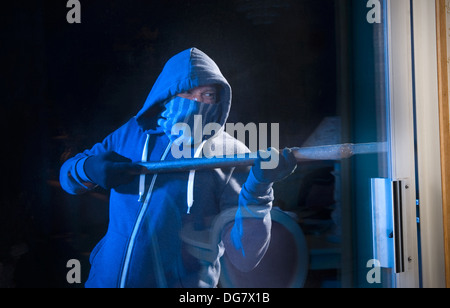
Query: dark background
66, 86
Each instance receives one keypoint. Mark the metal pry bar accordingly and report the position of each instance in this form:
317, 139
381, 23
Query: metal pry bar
325, 152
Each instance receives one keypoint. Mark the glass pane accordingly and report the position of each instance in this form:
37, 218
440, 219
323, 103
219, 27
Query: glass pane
334, 197
316, 67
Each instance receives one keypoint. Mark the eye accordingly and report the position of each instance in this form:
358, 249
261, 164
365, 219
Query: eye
209, 95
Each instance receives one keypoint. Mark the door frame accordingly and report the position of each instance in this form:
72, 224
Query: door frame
401, 131
428, 143
444, 124
415, 135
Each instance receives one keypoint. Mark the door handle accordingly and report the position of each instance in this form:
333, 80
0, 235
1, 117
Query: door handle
387, 223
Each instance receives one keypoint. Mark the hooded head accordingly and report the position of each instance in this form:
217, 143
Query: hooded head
189, 69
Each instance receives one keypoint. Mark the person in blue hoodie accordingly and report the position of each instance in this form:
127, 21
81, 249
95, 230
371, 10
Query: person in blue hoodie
160, 225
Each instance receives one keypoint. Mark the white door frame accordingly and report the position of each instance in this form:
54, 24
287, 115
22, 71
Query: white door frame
401, 121
428, 143
402, 65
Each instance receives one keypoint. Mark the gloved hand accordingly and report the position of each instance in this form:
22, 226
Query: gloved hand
269, 174
110, 169
257, 189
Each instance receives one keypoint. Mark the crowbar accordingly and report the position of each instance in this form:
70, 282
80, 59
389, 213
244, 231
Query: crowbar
325, 152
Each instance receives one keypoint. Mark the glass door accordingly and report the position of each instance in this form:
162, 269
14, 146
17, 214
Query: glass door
359, 214
380, 202
379, 211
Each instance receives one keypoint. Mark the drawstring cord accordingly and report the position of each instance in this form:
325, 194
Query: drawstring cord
190, 186
142, 176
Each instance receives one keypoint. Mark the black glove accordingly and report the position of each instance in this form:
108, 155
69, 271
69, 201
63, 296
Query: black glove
110, 169
269, 174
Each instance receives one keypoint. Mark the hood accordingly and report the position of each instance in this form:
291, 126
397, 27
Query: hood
188, 69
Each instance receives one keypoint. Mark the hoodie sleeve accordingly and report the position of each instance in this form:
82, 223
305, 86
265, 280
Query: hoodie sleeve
247, 238
72, 177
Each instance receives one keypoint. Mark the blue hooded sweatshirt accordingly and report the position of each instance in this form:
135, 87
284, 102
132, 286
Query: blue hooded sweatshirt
151, 240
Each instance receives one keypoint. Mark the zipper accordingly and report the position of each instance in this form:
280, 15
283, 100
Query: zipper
138, 224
